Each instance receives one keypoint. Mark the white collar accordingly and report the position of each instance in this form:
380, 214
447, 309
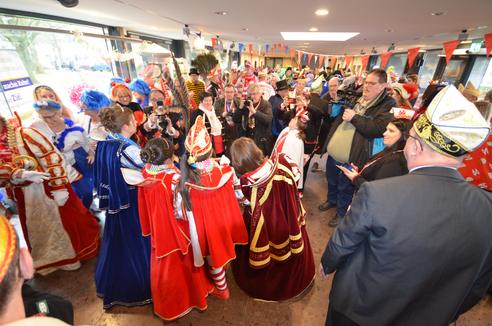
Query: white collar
431, 166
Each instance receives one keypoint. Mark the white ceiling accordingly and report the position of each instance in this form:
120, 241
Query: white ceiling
410, 22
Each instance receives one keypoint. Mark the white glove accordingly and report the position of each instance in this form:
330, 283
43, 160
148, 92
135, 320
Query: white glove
60, 196
33, 176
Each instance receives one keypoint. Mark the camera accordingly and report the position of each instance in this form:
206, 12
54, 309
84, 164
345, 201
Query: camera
347, 97
247, 102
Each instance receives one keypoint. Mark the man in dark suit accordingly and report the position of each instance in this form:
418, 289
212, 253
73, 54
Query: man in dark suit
416, 249
224, 110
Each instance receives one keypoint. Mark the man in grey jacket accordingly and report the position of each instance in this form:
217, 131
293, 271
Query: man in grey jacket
416, 249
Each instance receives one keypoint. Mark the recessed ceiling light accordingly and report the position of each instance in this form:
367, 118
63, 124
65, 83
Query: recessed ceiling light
388, 30
313, 29
482, 27
438, 13
317, 36
245, 29
306, 43
221, 13
321, 12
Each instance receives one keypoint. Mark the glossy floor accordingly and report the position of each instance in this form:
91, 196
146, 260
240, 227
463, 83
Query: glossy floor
310, 309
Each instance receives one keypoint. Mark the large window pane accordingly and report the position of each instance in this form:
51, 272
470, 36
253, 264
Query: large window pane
431, 59
398, 61
58, 60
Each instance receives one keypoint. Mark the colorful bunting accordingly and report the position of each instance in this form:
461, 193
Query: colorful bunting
449, 48
412, 55
488, 43
364, 61
348, 60
385, 58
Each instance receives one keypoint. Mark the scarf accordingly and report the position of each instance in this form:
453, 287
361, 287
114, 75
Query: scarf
215, 125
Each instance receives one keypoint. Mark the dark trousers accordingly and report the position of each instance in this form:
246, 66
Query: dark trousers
334, 318
340, 188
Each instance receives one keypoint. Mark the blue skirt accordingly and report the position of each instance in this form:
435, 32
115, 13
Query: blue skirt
123, 266
84, 188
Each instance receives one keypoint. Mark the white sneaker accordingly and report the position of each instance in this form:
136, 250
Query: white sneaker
71, 267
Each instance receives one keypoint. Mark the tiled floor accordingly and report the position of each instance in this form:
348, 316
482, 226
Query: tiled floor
309, 309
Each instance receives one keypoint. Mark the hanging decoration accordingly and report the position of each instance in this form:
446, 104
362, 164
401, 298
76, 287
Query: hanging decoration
488, 43
449, 48
309, 56
321, 60
384, 59
250, 47
315, 59
348, 60
304, 56
364, 61
240, 47
299, 53
267, 48
412, 55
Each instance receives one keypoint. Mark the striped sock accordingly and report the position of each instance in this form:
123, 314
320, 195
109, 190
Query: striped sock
218, 275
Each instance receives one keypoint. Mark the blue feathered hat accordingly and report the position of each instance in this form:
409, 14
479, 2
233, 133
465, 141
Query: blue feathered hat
94, 100
46, 104
140, 86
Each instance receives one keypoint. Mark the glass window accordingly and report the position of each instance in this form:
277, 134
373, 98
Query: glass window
478, 71
61, 61
426, 74
398, 61
486, 84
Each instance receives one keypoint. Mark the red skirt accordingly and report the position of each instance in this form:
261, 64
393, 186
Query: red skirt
177, 285
219, 223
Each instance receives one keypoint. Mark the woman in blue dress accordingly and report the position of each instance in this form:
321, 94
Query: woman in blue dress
123, 267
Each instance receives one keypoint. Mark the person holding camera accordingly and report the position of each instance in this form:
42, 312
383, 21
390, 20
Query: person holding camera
258, 114
354, 137
224, 109
280, 106
160, 121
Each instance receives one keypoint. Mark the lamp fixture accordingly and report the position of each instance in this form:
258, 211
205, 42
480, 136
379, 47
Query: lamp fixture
321, 12
438, 13
313, 29
221, 13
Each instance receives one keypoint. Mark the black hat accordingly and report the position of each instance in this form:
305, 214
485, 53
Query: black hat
193, 71
281, 85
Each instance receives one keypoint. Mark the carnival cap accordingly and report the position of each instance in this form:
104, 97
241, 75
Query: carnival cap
8, 244
317, 84
46, 104
198, 140
139, 86
93, 100
452, 125
214, 72
470, 89
397, 87
302, 113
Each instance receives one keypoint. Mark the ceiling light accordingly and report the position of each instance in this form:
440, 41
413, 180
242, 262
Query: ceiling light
321, 12
482, 27
221, 13
388, 30
317, 36
466, 42
306, 43
313, 29
438, 13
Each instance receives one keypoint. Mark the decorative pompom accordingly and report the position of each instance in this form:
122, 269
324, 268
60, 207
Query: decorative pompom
94, 100
127, 80
76, 92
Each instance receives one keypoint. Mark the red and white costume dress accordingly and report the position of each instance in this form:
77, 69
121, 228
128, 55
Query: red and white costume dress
177, 285
277, 264
290, 143
477, 166
56, 235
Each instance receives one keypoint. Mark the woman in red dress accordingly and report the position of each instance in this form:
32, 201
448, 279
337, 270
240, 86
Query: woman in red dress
216, 225
277, 264
177, 285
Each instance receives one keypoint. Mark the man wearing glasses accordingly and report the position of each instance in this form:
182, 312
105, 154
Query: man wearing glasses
353, 138
416, 249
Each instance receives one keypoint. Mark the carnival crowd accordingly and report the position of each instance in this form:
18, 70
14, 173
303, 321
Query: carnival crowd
200, 175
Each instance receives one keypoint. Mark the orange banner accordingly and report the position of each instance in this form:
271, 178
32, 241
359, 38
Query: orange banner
449, 48
412, 55
384, 59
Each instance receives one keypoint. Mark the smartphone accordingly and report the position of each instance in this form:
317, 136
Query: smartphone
347, 166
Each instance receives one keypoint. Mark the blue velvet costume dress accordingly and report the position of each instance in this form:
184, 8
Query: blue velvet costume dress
123, 267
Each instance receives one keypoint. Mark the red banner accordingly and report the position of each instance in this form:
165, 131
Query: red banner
488, 43
449, 48
292, 53
333, 62
364, 61
299, 54
250, 47
321, 59
384, 59
348, 60
214, 42
309, 56
412, 55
